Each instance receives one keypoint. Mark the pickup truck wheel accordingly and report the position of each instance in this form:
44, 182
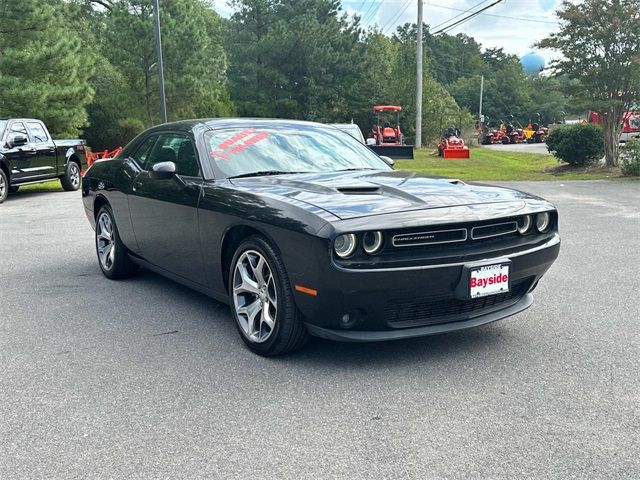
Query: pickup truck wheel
4, 186
71, 180
112, 254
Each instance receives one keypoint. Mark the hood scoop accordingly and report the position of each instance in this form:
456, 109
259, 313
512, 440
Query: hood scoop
359, 190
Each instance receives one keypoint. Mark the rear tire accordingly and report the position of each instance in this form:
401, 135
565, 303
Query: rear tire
4, 186
505, 140
112, 254
261, 300
71, 180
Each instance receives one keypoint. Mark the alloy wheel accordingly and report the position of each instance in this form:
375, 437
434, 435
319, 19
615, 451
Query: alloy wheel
3, 186
105, 241
74, 175
255, 296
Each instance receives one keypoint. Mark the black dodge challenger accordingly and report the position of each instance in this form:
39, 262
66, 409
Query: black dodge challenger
303, 230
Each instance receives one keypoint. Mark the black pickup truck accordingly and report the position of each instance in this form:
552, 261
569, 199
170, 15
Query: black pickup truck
29, 155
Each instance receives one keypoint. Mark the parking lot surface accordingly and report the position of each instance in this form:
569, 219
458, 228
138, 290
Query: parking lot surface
145, 378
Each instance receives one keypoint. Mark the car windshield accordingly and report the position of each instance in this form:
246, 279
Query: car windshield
352, 130
275, 150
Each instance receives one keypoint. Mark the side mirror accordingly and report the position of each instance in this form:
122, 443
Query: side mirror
162, 170
17, 139
389, 161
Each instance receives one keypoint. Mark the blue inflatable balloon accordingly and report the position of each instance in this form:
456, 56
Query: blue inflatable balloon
532, 63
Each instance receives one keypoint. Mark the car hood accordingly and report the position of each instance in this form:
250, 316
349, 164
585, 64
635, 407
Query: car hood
362, 193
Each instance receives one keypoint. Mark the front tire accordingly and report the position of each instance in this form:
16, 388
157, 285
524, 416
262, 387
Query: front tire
4, 186
262, 301
71, 180
112, 254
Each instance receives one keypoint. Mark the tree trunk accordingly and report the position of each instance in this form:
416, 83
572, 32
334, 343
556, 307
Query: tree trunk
612, 125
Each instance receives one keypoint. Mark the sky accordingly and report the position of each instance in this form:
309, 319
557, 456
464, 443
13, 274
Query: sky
531, 20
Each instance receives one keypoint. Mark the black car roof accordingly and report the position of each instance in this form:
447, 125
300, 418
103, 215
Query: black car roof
187, 125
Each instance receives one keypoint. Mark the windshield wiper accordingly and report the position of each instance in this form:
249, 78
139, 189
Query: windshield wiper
263, 173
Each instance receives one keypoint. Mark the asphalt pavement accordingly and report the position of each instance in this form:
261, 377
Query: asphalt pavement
145, 378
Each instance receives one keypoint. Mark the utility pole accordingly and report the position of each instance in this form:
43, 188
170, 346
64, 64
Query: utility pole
419, 78
163, 100
480, 118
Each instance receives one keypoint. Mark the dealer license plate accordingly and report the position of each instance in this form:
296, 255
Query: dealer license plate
489, 280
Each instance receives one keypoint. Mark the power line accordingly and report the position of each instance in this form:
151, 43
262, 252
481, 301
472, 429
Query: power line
395, 18
372, 11
375, 11
491, 15
459, 15
361, 5
466, 19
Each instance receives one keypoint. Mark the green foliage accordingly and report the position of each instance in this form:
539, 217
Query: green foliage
577, 144
295, 60
630, 158
390, 65
43, 69
194, 61
507, 91
126, 77
301, 59
600, 45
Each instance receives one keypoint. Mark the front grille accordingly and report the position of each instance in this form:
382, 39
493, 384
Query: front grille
493, 230
431, 311
430, 238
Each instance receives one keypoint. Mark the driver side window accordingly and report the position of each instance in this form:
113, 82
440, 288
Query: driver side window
176, 148
141, 155
18, 127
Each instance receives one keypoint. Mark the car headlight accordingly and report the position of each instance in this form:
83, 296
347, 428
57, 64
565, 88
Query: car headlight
372, 242
524, 224
345, 245
543, 221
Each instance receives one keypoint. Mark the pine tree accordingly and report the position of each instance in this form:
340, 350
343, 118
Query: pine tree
43, 70
194, 60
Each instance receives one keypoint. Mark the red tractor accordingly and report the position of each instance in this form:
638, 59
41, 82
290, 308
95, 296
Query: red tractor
451, 145
514, 134
491, 136
387, 139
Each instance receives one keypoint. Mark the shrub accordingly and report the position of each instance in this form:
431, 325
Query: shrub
630, 158
577, 144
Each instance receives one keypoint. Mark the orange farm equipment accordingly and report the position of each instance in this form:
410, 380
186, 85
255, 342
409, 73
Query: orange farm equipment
451, 145
493, 136
101, 155
388, 138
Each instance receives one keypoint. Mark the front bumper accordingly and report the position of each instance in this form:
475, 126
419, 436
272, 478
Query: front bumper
451, 326
396, 303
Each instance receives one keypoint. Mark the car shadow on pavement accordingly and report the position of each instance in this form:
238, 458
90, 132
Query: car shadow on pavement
350, 355
21, 195
449, 346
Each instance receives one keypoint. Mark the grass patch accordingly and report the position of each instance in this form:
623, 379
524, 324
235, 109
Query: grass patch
486, 164
50, 186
